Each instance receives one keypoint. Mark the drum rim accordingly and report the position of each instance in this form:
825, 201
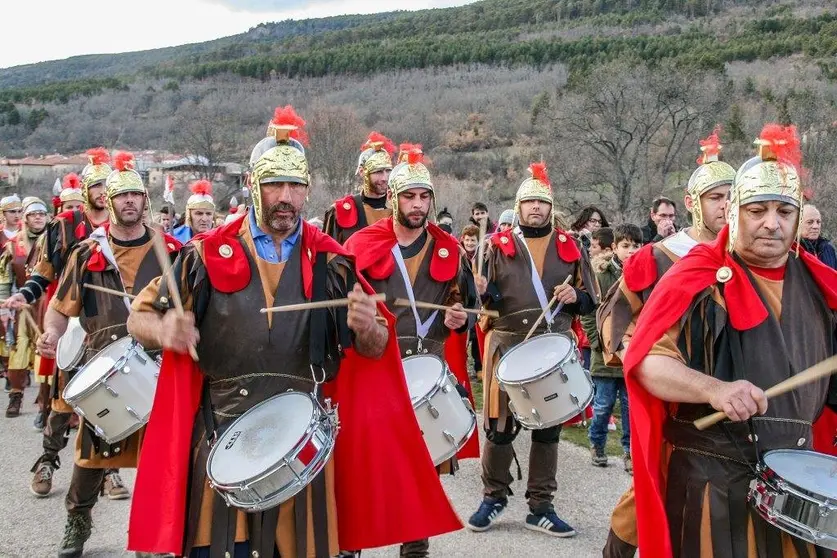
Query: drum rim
770, 475
79, 353
436, 386
554, 422
543, 374
117, 364
462, 441
319, 413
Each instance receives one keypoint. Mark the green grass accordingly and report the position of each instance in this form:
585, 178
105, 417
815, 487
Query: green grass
576, 434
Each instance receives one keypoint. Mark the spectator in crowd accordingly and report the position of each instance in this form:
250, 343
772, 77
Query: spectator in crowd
479, 212
165, 218
445, 220
661, 222
470, 239
506, 220
812, 239
601, 242
609, 381
589, 221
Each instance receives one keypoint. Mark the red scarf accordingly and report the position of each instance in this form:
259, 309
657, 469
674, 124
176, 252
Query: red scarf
379, 444
667, 304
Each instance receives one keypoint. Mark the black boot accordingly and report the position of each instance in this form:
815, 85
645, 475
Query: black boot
76, 532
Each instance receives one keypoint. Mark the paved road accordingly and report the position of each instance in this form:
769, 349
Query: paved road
33, 527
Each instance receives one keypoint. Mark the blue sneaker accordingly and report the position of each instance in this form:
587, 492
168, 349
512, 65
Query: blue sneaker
550, 524
489, 510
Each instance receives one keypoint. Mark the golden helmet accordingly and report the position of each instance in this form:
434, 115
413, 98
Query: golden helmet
33, 204
711, 173
10, 203
122, 179
411, 172
772, 175
376, 155
97, 170
71, 189
536, 187
201, 198
280, 157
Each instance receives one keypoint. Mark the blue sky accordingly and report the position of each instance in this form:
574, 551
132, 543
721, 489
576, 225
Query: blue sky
103, 26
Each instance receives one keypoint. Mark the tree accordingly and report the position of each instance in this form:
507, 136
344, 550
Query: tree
636, 125
735, 125
336, 136
206, 136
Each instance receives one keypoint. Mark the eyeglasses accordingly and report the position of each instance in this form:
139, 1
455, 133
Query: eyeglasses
594, 220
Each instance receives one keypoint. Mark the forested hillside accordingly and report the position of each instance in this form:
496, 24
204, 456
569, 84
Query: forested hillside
614, 95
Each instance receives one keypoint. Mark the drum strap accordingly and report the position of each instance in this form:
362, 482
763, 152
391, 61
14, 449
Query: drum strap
101, 238
206, 411
422, 328
318, 322
537, 284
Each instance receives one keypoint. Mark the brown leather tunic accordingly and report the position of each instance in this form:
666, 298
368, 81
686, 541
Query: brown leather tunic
103, 317
367, 215
519, 306
710, 462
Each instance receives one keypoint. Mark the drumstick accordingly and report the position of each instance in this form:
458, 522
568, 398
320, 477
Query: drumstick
816, 372
32, 323
319, 304
548, 306
109, 291
481, 248
174, 290
431, 306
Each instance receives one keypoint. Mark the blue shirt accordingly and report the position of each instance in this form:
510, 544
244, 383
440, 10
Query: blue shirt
265, 247
182, 233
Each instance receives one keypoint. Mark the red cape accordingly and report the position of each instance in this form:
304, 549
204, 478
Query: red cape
671, 298
371, 249
386, 485
456, 355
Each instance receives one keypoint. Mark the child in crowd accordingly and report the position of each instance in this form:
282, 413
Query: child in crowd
470, 239
609, 381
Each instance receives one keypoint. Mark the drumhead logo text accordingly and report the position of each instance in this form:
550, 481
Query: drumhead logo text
234, 437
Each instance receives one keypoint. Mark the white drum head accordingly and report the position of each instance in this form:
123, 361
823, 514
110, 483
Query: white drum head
422, 373
98, 366
71, 344
812, 471
532, 358
261, 437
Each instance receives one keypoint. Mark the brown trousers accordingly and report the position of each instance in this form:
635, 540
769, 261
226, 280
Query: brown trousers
84, 489
497, 457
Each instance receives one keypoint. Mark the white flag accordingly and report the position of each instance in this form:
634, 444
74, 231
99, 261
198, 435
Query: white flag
56, 188
168, 190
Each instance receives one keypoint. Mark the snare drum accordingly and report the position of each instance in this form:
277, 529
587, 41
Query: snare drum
446, 420
545, 381
796, 491
272, 452
70, 347
115, 390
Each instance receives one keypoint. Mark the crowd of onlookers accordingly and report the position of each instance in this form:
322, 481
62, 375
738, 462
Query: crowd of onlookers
608, 248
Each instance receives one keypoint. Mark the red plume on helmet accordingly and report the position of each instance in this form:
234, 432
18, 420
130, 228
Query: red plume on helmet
123, 161
71, 181
56, 203
781, 143
286, 117
98, 156
376, 141
415, 155
203, 187
539, 173
710, 147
